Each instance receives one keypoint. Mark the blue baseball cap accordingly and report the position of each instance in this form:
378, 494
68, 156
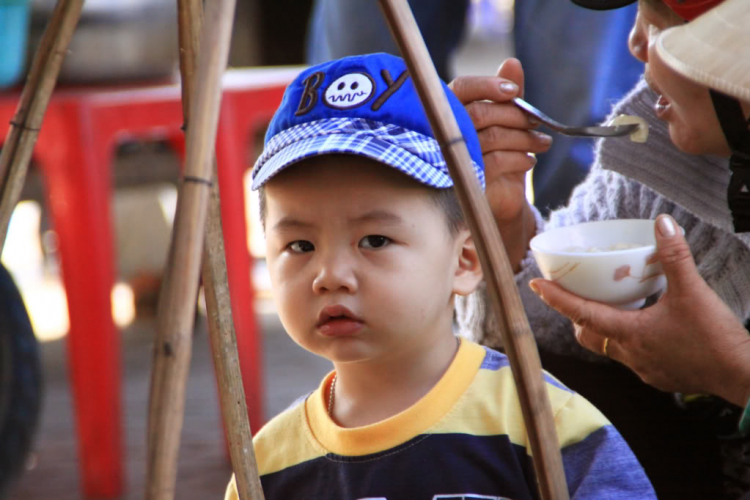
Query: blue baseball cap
366, 106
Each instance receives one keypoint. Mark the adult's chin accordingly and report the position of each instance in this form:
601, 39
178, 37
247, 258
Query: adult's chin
695, 143
684, 140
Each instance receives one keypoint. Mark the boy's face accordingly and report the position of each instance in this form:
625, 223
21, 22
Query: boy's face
685, 106
349, 237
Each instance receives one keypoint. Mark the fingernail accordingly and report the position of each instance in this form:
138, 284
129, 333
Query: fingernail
666, 226
542, 137
535, 288
577, 331
509, 87
533, 121
532, 158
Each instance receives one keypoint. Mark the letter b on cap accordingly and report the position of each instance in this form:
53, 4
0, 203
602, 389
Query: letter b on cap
310, 93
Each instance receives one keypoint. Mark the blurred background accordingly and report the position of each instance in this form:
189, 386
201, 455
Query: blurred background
124, 44
111, 51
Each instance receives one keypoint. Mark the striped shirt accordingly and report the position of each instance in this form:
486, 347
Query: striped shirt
465, 439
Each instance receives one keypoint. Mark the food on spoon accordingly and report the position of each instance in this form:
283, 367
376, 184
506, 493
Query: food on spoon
611, 248
638, 135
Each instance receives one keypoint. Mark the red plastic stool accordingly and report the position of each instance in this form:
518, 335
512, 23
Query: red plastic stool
74, 151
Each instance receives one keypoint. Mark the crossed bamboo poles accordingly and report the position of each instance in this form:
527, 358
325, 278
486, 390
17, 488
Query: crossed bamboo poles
198, 216
198, 226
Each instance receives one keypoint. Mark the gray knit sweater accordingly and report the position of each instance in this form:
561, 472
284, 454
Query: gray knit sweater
640, 181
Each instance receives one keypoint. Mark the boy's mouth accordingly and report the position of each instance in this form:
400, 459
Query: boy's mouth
337, 320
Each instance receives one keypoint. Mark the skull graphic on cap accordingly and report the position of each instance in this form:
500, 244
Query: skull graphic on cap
350, 91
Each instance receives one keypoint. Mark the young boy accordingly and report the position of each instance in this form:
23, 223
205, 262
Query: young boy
367, 248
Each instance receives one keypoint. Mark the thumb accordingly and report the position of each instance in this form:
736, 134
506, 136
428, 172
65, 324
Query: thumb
512, 70
674, 254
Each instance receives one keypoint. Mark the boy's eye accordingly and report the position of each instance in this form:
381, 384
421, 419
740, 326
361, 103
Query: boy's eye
374, 241
301, 246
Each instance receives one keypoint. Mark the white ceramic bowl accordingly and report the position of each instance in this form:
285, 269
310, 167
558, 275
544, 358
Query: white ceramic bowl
582, 260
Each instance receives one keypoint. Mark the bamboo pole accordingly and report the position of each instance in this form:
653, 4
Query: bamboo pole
175, 323
24, 128
218, 301
226, 359
506, 302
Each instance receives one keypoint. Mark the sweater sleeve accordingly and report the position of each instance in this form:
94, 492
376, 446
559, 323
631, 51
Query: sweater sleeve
599, 464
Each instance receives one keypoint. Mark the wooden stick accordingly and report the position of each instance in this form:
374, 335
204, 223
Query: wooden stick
24, 128
218, 302
226, 359
190, 22
175, 323
517, 337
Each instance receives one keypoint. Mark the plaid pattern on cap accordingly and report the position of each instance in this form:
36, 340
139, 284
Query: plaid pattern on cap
412, 153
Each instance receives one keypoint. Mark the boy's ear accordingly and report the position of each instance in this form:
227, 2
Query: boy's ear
469, 271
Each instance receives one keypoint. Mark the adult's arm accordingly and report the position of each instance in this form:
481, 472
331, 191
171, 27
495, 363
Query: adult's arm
508, 139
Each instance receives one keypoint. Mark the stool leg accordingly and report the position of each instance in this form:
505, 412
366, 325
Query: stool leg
79, 189
231, 166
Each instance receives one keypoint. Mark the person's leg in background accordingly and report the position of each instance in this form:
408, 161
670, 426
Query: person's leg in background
577, 65
340, 28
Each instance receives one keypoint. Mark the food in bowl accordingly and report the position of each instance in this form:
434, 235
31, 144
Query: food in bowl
611, 248
606, 261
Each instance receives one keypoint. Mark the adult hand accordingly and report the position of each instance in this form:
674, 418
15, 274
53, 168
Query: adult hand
507, 137
689, 341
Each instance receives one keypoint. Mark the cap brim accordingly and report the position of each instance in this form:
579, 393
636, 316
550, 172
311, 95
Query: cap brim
602, 4
712, 50
369, 147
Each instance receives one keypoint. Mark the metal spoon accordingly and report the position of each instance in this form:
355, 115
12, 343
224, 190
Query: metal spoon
596, 131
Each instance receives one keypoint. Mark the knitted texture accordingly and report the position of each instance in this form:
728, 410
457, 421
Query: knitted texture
635, 181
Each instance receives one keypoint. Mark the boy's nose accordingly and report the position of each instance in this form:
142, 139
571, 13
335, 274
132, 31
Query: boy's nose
336, 273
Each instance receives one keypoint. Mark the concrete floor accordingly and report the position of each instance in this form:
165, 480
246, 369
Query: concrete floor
203, 470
